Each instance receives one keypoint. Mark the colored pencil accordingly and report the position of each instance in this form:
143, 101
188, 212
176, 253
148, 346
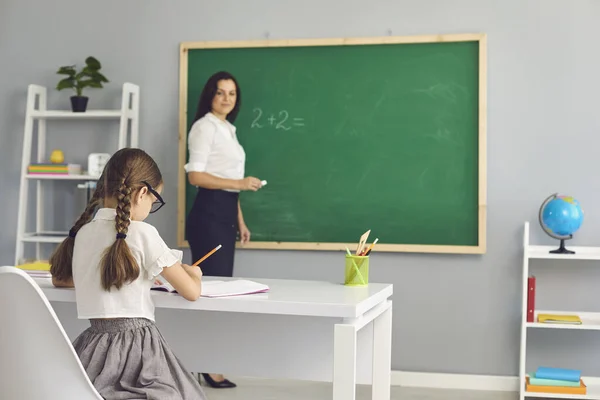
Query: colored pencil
366, 253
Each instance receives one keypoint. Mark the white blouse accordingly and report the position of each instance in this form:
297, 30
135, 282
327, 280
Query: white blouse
133, 300
214, 148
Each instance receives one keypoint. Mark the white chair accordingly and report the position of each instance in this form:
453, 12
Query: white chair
37, 360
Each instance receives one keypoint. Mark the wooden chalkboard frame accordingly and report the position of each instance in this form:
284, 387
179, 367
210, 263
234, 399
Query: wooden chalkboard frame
481, 38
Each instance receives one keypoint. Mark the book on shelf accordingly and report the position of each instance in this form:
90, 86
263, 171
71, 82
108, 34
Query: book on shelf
581, 388
530, 298
36, 269
54, 169
212, 288
533, 380
556, 380
559, 319
564, 374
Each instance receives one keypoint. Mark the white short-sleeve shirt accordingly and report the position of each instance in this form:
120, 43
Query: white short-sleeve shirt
133, 300
214, 148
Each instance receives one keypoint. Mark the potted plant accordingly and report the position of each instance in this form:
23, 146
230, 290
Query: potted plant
89, 76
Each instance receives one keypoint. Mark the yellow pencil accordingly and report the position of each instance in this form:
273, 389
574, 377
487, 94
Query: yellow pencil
206, 256
366, 253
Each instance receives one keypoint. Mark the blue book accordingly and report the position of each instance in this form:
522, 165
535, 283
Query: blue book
551, 382
559, 374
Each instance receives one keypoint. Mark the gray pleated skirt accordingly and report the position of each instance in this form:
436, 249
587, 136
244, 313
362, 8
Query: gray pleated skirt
128, 358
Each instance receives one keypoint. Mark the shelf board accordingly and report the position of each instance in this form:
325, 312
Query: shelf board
61, 177
91, 114
44, 237
590, 321
593, 391
581, 253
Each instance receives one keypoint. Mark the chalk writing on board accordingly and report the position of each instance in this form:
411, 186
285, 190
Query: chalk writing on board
280, 120
255, 123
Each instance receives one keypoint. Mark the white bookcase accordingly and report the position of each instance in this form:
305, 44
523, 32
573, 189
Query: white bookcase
590, 320
37, 112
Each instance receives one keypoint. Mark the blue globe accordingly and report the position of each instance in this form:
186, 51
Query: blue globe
560, 217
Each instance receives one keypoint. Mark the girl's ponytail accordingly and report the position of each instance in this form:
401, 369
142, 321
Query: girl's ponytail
61, 260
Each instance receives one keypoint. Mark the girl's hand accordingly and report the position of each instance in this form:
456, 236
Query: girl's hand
244, 234
192, 271
185, 279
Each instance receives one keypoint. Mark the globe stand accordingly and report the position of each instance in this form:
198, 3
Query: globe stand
562, 249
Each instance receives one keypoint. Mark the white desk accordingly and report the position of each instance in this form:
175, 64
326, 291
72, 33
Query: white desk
305, 330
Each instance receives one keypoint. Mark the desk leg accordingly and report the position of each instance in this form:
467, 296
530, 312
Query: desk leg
382, 355
344, 362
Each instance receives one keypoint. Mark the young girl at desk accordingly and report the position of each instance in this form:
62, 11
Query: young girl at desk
112, 261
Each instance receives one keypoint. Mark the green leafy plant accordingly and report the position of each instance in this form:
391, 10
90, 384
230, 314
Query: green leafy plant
89, 76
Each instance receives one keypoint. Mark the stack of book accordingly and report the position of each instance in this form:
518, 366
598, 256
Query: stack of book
37, 269
54, 169
556, 380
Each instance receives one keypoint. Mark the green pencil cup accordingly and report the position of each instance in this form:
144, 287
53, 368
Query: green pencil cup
356, 271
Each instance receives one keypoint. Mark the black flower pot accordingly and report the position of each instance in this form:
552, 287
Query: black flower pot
79, 103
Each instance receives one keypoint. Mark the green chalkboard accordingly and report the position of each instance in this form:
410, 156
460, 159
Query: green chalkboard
387, 135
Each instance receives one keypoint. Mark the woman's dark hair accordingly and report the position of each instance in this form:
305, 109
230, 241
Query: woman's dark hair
208, 94
123, 175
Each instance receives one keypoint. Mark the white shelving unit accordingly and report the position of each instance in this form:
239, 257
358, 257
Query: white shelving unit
36, 111
590, 320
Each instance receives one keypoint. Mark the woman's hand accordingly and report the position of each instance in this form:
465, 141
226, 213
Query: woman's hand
250, 183
244, 233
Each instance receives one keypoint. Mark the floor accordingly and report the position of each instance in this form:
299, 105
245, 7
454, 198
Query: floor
267, 389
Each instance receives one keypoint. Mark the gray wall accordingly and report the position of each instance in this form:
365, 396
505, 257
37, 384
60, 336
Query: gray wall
455, 314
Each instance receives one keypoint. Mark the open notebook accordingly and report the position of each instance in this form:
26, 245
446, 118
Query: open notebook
218, 288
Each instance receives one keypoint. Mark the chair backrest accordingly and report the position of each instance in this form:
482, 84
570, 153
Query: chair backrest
37, 360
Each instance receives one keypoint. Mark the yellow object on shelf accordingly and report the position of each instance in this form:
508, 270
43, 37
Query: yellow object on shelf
35, 266
57, 157
559, 319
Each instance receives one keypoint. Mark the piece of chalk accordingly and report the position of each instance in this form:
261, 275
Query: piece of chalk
263, 183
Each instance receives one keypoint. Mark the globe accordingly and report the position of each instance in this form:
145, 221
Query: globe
560, 217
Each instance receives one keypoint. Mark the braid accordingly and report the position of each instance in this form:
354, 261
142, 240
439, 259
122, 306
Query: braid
118, 266
61, 260
123, 209
95, 201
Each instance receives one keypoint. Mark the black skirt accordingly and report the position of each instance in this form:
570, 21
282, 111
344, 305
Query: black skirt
213, 221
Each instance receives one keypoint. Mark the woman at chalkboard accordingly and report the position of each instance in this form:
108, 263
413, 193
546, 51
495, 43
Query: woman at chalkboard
216, 167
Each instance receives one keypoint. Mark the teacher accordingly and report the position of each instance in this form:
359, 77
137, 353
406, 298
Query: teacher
216, 167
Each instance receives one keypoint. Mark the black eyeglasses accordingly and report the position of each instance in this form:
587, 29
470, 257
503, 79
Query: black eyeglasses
157, 205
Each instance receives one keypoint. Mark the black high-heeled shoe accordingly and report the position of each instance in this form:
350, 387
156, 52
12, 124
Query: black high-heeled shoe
224, 384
